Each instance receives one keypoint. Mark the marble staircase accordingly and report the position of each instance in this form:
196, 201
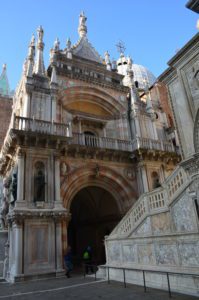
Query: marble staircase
159, 233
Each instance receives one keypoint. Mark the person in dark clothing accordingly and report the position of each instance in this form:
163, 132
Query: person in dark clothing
87, 259
68, 262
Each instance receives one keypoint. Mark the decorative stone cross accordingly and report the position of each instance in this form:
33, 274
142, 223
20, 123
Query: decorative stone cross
120, 47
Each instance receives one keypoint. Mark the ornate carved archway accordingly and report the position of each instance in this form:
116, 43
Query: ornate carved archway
90, 226
104, 177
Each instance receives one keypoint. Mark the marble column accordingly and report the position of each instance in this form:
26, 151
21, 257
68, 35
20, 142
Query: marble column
18, 232
59, 253
58, 202
20, 180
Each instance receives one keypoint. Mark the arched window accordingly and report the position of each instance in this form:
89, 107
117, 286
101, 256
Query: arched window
155, 180
39, 182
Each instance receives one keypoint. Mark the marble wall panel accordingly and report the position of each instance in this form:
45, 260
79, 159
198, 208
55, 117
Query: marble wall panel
189, 253
129, 253
39, 246
114, 252
166, 254
145, 254
183, 214
160, 223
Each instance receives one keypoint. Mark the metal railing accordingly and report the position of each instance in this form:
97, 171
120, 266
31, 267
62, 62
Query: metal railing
144, 271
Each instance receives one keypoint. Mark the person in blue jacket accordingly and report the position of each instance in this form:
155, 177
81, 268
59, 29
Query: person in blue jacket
68, 261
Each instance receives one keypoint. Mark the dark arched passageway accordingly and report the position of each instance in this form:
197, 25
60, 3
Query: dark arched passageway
94, 214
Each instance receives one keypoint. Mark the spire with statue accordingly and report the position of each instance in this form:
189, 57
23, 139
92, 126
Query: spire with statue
39, 68
82, 29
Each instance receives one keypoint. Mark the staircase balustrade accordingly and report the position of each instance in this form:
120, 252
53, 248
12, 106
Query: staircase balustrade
152, 202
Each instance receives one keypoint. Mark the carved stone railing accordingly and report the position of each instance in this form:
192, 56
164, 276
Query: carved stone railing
146, 143
152, 202
101, 142
40, 126
54, 128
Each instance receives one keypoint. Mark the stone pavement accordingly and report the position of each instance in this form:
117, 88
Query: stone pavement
81, 288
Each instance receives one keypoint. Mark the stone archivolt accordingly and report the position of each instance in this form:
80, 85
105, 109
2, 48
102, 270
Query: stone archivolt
106, 178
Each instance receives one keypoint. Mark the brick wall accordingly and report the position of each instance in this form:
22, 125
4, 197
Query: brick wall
5, 115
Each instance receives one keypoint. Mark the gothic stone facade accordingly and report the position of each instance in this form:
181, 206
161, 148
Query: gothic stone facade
82, 146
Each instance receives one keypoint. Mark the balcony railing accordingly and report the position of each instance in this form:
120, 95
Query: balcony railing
100, 142
146, 143
40, 126
64, 130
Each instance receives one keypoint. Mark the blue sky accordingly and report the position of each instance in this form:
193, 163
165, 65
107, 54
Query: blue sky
152, 30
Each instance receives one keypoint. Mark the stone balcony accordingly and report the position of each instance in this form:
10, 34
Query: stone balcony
54, 135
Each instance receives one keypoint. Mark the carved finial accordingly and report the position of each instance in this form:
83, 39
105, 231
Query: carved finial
68, 44
129, 61
114, 64
30, 59
146, 85
40, 34
56, 44
149, 105
4, 84
68, 50
31, 51
107, 57
32, 41
39, 64
129, 70
53, 76
82, 29
107, 60
25, 66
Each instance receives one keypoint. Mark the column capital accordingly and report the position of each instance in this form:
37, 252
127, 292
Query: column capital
20, 153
